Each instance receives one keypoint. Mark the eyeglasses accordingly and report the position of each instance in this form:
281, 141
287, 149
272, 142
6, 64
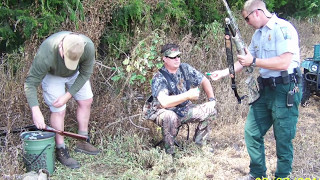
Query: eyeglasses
178, 56
247, 18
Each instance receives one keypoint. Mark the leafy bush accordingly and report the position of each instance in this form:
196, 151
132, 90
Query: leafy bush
299, 8
133, 17
144, 58
21, 20
287, 8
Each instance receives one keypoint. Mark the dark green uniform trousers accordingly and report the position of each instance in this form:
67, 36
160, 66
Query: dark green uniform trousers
271, 109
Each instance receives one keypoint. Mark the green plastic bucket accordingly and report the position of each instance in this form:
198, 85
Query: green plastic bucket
38, 150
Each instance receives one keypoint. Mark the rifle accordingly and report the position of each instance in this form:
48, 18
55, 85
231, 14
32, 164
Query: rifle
253, 88
48, 129
64, 133
17, 130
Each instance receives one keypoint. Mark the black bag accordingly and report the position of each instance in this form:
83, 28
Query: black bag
150, 108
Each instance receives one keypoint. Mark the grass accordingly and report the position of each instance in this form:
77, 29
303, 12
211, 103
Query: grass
131, 156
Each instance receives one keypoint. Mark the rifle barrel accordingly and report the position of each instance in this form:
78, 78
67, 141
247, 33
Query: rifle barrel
228, 23
64, 133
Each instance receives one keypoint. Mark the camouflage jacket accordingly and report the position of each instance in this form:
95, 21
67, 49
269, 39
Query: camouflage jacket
178, 82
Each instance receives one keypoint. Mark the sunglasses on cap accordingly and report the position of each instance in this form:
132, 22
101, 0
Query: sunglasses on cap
178, 56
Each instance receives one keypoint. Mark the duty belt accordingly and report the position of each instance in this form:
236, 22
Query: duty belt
273, 81
285, 78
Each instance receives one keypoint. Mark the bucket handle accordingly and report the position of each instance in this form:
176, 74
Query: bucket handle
28, 162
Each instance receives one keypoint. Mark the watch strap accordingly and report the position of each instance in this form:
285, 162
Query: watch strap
254, 62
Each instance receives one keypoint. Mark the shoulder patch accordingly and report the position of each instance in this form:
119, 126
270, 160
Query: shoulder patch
286, 33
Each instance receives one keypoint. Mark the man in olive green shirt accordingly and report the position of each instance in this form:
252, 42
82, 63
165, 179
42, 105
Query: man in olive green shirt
63, 64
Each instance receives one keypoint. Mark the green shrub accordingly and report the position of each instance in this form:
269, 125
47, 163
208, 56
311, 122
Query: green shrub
144, 58
21, 20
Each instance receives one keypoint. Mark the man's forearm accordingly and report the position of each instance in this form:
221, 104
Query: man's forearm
206, 85
173, 100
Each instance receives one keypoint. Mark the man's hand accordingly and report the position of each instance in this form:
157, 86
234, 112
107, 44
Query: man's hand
38, 118
216, 75
245, 60
62, 100
212, 103
193, 94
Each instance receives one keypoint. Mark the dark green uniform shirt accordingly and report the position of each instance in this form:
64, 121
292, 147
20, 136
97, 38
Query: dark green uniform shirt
48, 60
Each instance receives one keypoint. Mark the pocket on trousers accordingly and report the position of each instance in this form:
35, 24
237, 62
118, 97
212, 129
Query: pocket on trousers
280, 105
288, 118
286, 112
288, 127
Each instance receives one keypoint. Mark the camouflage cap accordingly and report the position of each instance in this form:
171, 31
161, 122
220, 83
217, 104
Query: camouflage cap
172, 52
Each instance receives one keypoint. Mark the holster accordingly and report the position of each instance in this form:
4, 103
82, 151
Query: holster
298, 75
285, 77
260, 83
272, 83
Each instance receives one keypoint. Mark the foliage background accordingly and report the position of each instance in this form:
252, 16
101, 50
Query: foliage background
128, 35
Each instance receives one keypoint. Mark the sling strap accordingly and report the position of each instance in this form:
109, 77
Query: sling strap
228, 46
169, 79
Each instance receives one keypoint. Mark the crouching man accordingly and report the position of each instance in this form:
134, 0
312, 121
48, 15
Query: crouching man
171, 103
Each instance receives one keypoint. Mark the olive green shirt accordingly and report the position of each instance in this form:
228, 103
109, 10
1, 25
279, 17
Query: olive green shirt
48, 60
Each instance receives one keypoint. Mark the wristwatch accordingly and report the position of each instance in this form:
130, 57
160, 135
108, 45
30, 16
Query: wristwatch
212, 99
253, 64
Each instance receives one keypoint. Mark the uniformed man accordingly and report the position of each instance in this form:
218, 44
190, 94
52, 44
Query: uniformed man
274, 48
